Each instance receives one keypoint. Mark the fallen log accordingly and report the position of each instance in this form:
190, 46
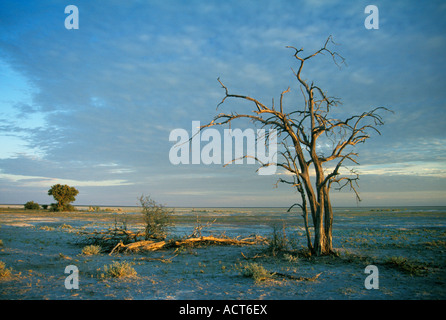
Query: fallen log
212, 239
150, 245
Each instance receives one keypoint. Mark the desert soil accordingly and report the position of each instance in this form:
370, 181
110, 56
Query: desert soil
37, 246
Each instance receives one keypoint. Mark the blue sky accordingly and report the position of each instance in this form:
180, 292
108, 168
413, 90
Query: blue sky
93, 107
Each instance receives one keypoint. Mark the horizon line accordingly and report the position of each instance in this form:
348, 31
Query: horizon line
229, 207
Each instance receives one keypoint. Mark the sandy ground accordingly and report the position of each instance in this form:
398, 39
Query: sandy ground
37, 247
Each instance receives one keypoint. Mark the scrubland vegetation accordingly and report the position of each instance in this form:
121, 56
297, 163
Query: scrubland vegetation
213, 255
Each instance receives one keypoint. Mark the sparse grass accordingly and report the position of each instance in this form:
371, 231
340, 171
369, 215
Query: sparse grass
91, 250
118, 269
405, 265
435, 244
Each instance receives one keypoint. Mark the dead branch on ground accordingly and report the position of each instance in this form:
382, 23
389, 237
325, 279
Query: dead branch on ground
149, 245
109, 238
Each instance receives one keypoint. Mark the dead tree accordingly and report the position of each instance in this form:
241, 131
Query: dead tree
312, 170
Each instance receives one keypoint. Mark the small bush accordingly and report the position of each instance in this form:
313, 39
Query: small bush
257, 272
156, 217
278, 243
91, 250
4, 272
31, 205
119, 270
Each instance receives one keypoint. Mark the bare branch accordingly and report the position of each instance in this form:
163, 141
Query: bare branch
301, 151
281, 99
259, 105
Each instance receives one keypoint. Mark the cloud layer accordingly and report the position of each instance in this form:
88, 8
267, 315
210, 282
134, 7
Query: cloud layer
94, 107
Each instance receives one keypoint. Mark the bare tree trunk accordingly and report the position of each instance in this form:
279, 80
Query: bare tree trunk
328, 222
305, 216
319, 234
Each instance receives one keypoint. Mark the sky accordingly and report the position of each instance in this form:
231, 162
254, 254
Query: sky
93, 107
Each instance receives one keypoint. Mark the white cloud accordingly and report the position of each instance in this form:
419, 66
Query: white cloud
415, 168
35, 181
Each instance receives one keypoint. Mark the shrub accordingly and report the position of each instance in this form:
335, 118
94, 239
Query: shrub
31, 205
119, 270
4, 272
156, 217
257, 272
278, 242
91, 250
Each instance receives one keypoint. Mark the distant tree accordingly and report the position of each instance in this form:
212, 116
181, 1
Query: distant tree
315, 146
63, 194
31, 205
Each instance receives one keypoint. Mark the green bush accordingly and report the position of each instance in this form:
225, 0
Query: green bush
63, 194
31, 205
